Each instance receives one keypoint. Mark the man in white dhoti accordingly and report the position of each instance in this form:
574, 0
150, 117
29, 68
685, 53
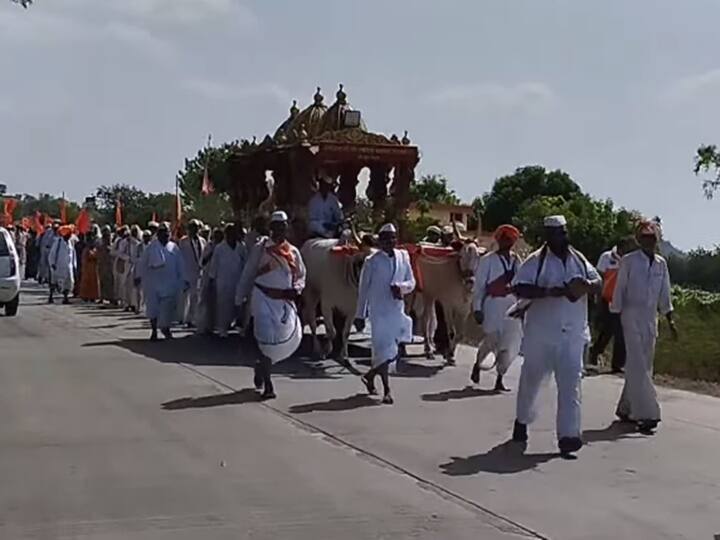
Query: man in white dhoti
226, 267
554, 283
46, 243
192, 247
206, 304
325, 213
63, 264
386, 278
120, 253
163, 277
145, 240
273, 279
492, 298
641, 291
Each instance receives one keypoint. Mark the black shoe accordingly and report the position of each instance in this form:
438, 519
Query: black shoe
450, 361
624, 418
258, 380
569, 445
154, 336
388, 399
475, 373
268, 394
647, 427
369, 385
520, 432
167, 333
499, 386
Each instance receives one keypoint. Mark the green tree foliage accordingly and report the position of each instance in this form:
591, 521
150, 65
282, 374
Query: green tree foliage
511, 192
137, 206
707, 160
700, 269
216, 206
433, 188
594, 225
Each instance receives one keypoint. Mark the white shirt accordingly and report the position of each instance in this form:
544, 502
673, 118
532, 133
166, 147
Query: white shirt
322, 211
192, 250
643, 286
550, 320
491, 267
379, 273
609, 260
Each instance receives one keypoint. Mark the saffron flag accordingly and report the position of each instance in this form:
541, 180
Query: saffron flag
207, 187
178, 208
63, 212
38, 223
83, 222
154, 217
118, 213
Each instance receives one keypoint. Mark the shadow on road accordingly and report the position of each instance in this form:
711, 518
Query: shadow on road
614, 432
506, 458
247, 395
357, 401
465, 393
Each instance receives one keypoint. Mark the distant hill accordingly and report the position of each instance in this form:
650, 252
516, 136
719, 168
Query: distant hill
667, 250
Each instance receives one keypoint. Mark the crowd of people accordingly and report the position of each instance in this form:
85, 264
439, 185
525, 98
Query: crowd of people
216, 280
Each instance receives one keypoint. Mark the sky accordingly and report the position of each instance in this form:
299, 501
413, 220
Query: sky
619, 93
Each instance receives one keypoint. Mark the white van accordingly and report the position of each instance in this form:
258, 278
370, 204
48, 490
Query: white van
9, 274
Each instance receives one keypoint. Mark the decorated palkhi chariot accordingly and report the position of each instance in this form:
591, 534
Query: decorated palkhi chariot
329, 141
334, 142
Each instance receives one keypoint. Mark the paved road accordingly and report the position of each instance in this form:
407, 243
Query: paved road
106, 436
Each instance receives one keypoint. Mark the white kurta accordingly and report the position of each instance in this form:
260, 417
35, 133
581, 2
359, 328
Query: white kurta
163, 277
555, 334
63, 261
324, 211
502, 334
46, 243
226, 268
206, 302
192, 249
120, 253
389, 325
276, 322
642, 290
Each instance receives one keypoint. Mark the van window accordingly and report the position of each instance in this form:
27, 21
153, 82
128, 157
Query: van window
4, 249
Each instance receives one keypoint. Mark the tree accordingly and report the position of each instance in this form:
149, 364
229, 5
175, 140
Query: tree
511, 192
707, 160
215, 206
137, 206
23, 3
594, 225
433, 188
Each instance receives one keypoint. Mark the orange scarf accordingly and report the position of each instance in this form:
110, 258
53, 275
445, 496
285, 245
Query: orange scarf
280, 252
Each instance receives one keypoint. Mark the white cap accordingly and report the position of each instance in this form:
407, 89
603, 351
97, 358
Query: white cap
434, 229
555, 221
152, 224
278, 216
388, 228
460, 226
447, 229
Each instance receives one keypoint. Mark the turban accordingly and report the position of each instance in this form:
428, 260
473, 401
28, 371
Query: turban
65, 230
507, 231
555, 221
647, 228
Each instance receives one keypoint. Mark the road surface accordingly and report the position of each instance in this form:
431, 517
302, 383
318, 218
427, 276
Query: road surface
106, 436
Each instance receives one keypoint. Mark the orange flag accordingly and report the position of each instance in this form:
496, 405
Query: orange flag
83, 222
178, 208
63, 212
154, 217
207, 187
38, 223
118, 213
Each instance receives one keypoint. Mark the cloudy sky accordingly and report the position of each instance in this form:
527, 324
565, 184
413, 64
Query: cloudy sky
618, 93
